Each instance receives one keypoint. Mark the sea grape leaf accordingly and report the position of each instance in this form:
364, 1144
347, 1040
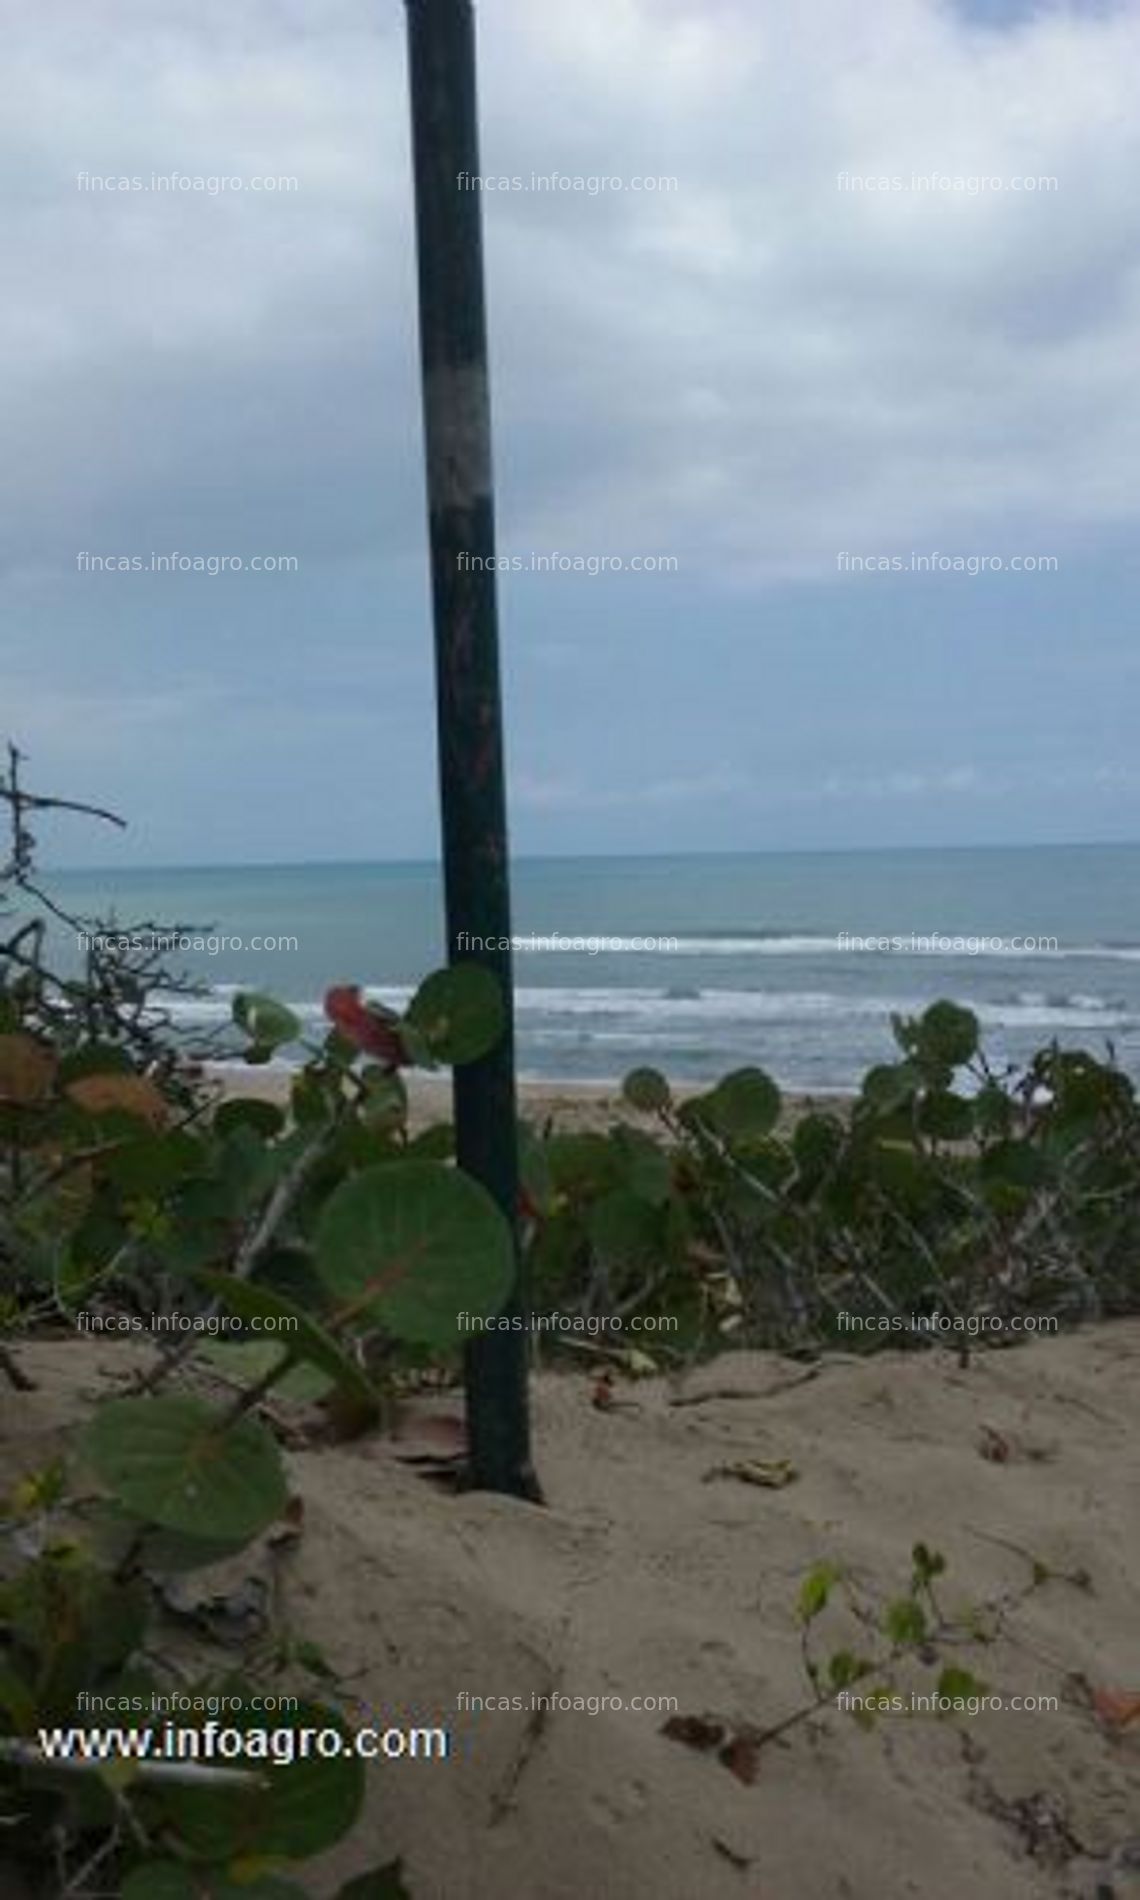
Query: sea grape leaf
265, 1118
946, 1116
160, 1880
1016, 1164
296, 1809
303, 1338
257, 1887
746, 1103
266, 1022
648, 1169
94, 1058
153, 1165
383, 1883
816, 1143
175, 1462
646, 1090
890, 1086
624, 1230
459, 1012
947, 1035
409, 1245
582, 1165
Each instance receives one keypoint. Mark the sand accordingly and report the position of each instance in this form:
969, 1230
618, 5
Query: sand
572, 1106
644, 1577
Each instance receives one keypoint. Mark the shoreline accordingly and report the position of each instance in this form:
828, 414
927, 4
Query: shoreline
572, 1104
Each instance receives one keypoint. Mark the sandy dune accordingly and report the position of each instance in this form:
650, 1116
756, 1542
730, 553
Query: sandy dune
645, 1577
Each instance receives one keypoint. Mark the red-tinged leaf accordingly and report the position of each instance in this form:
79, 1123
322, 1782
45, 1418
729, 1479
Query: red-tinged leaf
741, 1756
368, 1026
1117, 1708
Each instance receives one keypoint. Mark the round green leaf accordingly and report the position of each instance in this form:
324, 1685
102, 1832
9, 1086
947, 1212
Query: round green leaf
410, 1245
646, 1090
993, 1110
294, 1330
265, 1887
266, 1022
946, 1116
265, 1118
582, 1166
1016, 1164
624, 1230
890, 1086
948, 1034
747, 1102
94, 1058
159, 1880
648, 1169
384, 1883
817, 1143
299, 1807
154, 1165
169, 1552
174, 1462
459, 1012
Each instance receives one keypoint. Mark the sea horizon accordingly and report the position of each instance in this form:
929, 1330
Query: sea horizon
50, 868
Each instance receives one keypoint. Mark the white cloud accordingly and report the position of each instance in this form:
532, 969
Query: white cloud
754, 370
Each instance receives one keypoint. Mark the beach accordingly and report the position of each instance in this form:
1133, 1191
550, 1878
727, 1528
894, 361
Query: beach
572, 1107
655, 1573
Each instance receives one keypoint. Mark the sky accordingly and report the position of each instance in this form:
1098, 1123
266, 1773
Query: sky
755, 373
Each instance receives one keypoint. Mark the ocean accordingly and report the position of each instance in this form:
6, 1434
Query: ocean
794, 961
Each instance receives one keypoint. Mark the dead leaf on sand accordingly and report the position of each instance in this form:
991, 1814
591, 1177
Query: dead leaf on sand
772, 1474
1117, 1708
695, 1731
741, 1756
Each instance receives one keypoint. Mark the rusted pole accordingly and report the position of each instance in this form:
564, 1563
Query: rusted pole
457, 425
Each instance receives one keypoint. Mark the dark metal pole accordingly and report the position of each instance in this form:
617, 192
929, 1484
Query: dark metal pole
457, 423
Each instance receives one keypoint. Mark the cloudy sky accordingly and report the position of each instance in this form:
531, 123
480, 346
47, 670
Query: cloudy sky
759, 374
